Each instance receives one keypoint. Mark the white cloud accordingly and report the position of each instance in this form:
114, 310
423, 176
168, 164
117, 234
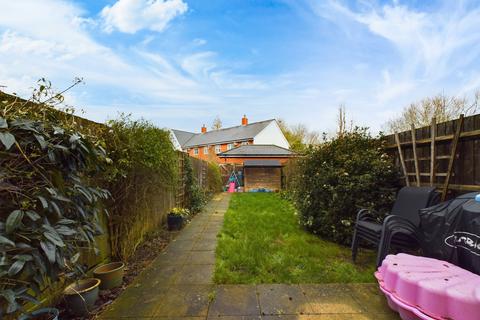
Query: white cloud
199, 42
130, 16
53, 44
432, 45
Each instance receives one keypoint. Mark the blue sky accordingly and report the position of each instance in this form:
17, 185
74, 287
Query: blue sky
179, 63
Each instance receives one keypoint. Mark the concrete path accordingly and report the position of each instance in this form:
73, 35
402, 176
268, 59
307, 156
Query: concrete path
178, 285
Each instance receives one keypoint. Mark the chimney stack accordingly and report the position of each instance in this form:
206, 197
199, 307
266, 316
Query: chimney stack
204, 129
244, 120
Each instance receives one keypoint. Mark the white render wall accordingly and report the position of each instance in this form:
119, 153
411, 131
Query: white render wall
174, 141
271, 134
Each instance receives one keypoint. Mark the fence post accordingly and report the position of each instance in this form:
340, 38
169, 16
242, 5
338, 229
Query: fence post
400, 154
433, 135
415, 158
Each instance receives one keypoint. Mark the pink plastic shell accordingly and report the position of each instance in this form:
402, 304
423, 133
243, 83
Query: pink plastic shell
426, 288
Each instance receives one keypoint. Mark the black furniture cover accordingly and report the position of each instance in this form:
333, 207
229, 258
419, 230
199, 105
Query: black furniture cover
451, 232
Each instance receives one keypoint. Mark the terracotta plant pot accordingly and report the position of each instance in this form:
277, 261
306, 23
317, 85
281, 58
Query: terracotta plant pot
81, 296
111, 274
175, 222
41, 314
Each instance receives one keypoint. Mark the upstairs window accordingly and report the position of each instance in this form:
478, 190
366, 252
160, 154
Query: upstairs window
205, 150
218, 148
195, 151
230, 146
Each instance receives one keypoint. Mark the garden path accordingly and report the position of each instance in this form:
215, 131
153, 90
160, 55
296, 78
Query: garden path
178, 285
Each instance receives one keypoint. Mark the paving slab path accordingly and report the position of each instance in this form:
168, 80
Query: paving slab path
178, 285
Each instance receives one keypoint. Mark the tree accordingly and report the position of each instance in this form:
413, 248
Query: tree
443, 108
298, 136
342, 121
217, 123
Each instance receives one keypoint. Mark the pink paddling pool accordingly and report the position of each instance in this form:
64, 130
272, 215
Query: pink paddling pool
425, 288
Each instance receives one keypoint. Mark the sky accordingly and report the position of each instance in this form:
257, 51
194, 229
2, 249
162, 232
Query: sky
180, 63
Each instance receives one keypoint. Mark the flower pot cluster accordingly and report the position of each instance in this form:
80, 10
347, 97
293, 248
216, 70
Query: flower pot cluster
81, 295
177, 218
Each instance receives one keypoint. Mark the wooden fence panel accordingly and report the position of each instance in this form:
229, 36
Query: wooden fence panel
465, 174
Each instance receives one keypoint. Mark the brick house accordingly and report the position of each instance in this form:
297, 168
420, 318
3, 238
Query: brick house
208, 145
255, 152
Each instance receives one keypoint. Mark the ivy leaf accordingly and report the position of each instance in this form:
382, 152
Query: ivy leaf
23, 257
16, 267
56, 208
3, 123
40, 264
43, 201
7, 139
58, 130
74, 138
41, 141
61, 198
29, 298
49, 249
66, 231
32, 215
9, 295
75, 258
66, 221
54, 238
13, 221
6, 241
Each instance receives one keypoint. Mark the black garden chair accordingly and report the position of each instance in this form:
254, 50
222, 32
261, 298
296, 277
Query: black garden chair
400, 228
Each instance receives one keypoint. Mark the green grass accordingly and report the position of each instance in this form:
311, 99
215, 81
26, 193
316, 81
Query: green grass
262, 242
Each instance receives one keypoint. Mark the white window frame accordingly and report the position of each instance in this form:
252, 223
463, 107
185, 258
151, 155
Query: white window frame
195, 151
205, 150
230, 146
218, 148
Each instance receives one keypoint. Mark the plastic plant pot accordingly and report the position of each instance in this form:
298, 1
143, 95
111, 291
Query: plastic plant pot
81, 296
175, 222
110, 274
41, 314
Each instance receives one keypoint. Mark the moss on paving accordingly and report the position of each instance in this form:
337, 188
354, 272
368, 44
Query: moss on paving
262, 242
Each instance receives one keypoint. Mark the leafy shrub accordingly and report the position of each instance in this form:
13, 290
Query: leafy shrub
195, 197
139, 146
144, 172
48, 209
214, 178
340, 176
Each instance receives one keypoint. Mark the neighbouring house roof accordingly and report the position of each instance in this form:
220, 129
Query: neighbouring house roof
262, 163
238, 133
257, 150
182, 136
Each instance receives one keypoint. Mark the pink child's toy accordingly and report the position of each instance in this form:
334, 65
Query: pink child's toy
426, 288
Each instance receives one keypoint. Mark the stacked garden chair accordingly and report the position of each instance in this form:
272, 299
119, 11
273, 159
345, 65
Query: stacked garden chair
400, 229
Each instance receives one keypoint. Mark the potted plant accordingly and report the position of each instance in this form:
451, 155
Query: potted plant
110, 274
82, 295
41, 314
176, 218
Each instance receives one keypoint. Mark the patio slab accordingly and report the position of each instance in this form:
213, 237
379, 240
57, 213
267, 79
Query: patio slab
235, 300
278, 299
331, 298
202, 257
195, 274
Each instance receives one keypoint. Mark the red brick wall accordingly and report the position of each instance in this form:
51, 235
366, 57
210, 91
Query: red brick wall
211, 156
240, 161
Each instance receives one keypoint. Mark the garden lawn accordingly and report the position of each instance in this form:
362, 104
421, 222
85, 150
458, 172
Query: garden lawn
262, 242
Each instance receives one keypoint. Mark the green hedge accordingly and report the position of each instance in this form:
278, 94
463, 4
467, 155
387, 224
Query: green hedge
340, 176
142, 179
